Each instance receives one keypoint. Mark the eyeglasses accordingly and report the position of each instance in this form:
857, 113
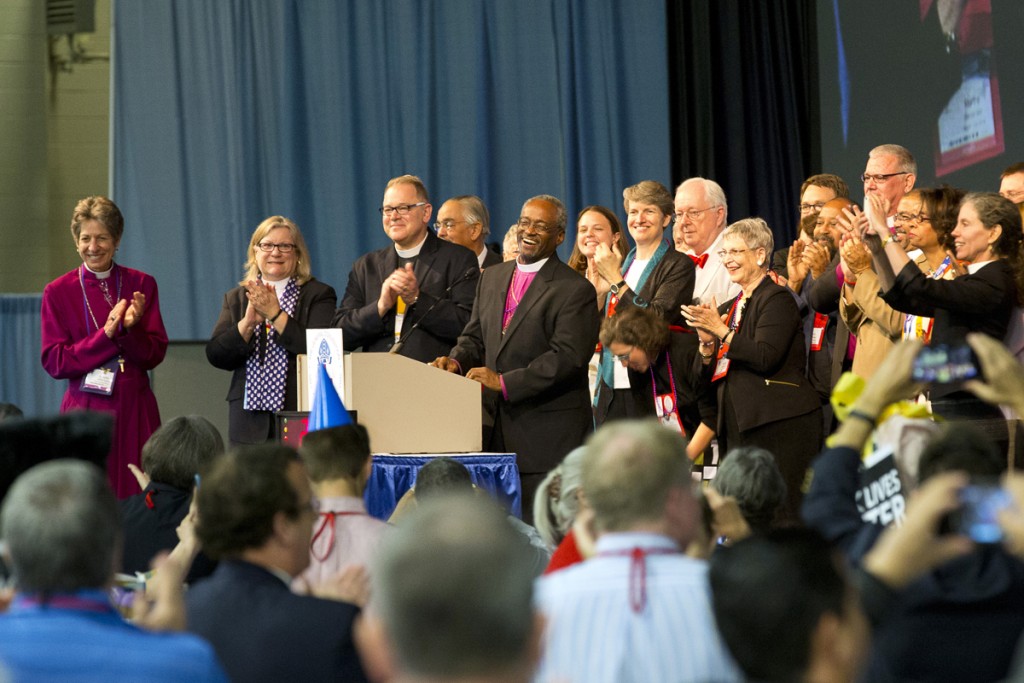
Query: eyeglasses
539, 226
912, 218
624, 357
400, 209
811, 208
446, 225
268, 247
730, 253
692, 214
881, 177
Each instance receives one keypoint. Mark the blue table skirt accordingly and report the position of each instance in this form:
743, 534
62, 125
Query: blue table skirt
393, 475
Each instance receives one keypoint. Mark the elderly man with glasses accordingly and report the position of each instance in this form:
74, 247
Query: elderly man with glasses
700, 217
465, 220
416, 294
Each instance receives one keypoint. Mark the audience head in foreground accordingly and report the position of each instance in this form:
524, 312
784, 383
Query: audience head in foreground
63, 533
171, 458
61, 525
256, 504
637, 479
338, 454
453, 598
256, 514
751, 476
786, 609
179, 449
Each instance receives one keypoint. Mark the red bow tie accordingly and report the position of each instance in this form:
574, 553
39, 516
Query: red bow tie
699, 261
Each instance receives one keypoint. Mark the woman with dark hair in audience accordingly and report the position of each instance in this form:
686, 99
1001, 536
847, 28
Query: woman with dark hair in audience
928, 216
756, 354
987, 239
931, 231
171, 459
262, 328
666, 379
102, 331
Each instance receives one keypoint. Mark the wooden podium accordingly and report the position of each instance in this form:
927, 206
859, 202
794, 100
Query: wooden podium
408, 406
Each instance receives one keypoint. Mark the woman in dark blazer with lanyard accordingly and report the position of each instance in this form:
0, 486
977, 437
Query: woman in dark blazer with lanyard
756, 350
987, 239
262, 327
653, 276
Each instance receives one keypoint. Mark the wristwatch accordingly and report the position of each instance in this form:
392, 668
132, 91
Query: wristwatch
617, 286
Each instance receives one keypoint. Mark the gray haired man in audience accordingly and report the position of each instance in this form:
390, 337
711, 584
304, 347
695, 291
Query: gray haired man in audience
452, 599
639, 610
61, 525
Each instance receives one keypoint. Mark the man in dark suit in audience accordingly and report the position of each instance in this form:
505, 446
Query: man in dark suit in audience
418, 291
528, 342
256, 516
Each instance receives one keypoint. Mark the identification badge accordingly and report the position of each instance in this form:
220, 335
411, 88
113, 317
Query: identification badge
721, 369
620, 375
665, 407
101, 380
818, 333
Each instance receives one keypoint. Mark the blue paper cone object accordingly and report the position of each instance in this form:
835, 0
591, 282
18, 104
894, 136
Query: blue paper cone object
328, 410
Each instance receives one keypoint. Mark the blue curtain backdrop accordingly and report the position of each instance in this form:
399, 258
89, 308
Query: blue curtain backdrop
226, 112
22, 378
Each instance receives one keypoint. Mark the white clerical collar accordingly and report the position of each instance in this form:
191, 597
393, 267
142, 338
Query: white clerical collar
413, 252
975, 267
279, 285
100, 276
531, 267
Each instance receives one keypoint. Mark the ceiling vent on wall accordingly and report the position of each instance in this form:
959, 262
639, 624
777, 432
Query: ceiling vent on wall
70, 16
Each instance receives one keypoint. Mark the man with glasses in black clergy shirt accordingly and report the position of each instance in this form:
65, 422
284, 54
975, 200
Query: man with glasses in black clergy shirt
528, 342
418, 291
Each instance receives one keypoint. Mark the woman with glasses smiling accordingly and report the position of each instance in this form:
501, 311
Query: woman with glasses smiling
262, 327
926, 217
987, 239
755, 346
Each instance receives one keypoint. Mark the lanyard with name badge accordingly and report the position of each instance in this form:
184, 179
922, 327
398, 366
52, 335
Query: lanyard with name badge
735, 316
101, 380
667, 405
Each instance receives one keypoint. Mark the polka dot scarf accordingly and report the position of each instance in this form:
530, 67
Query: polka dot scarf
267, 367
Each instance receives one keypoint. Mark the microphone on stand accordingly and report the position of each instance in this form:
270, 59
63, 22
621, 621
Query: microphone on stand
405, 333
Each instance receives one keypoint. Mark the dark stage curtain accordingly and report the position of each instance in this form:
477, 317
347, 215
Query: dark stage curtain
743, 102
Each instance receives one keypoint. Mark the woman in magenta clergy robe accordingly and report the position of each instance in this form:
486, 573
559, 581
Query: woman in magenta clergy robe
102, 331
